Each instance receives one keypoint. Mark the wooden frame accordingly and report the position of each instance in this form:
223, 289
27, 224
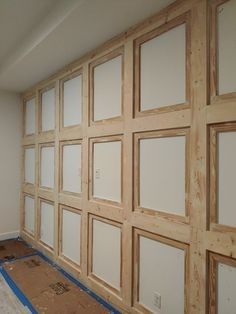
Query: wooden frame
62, 82
47, 88
42, 244
213, 186
136, 249
114, 138
214, 260
60, 253
62, 144
183, 19
41, 146
91, 275
116, 53
161, 134
215, 97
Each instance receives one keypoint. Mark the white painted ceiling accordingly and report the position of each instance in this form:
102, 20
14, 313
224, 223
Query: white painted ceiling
39, 37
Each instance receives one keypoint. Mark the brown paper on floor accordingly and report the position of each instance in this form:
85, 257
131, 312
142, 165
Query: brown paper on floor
11, 249
48, 290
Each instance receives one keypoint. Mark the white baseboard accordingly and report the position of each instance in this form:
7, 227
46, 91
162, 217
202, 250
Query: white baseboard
9, 235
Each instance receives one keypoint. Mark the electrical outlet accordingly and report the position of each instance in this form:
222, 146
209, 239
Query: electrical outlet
97, 174
157, 300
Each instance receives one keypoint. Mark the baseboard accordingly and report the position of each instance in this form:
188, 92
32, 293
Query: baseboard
9, 235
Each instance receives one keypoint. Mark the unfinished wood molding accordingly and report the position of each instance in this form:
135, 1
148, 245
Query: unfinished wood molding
62, 145
160, 135
91, 274
180, 20
50, 131
100, 61
214, 261
62, 256
215, 131
214, 75
137, 233
101, 140
63, 81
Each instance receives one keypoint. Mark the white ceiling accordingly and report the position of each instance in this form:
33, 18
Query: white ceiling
38, 37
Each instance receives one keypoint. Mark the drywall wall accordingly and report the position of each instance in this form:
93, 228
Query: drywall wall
162, 174
47, 167
29, 221
29, 176
107, 89
161, 272
226, 178
71, 229
107, 174
226, 289
10, 142
48, 110
71, 176
47, 223
226, 47
30, 117
72, 101
107, 253
162, 66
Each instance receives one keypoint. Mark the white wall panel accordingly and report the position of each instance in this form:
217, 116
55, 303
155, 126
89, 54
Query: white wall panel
226, 47
48, 110
30, 165
226, 178
72, 101
30, 116
162, 174
71, 227
107, 171
29, 214
72, 168
226, 289
107, 252
108, 89
161, 271
163, 66
47, 167
47, 224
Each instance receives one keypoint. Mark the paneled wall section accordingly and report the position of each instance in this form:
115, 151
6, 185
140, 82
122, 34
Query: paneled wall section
128, 164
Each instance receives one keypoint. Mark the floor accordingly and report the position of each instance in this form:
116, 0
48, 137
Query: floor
40, 285
9, 303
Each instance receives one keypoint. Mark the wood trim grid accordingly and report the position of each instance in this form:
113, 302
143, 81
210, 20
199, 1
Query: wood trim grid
198, 231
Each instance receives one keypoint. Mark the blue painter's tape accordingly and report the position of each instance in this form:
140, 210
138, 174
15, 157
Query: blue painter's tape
17, 291
2, 261
62, 271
